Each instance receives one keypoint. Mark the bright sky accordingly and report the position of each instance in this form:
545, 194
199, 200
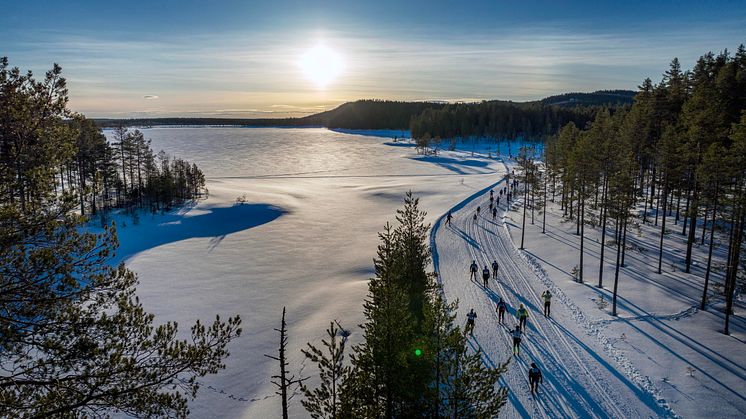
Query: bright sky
241, 58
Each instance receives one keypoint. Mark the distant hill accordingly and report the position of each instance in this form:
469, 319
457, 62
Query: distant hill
385, 114
597, 98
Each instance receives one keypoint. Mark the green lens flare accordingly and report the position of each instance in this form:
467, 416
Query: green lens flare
418, 352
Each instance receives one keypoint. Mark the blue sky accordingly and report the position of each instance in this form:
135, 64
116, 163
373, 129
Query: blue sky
240, 58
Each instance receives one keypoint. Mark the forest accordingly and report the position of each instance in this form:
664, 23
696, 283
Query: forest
500, 119
75, 341
675, 160
414, 361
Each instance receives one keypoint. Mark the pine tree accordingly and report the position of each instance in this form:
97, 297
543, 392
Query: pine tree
324, 401
74, 339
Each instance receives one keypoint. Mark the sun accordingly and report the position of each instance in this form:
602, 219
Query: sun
321, 65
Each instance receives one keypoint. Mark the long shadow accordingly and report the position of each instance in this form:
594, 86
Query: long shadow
467, 238
703, 372
175, 226
454, 165
537, 257
491, 364
686, 341
646, 397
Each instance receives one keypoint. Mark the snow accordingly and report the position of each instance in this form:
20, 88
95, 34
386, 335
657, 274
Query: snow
306, 236
579, 381
660, 339
305, 239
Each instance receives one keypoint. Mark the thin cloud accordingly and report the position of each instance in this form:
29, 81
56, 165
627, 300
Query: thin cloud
150, 97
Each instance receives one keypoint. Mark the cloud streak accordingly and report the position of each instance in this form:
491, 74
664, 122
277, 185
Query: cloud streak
251, 74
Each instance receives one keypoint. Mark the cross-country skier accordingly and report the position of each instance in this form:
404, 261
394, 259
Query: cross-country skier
501, 308
486, 276
449, 217
498, 201
478, 208
534, 378
492, 192
517, 340
494, 212
490, 206
547, 296
522, 314
473, 269
475, 218
495, 267
470, 322
492, 199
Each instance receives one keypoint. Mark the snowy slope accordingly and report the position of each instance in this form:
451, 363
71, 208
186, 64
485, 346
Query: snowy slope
580, 379
305, 239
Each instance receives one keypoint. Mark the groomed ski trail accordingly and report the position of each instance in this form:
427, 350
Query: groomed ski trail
579, 381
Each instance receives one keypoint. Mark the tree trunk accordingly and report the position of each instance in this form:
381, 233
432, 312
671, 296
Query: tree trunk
581, 217
730, 286
709, 253
692, 227
663, 226
523, 228
616, 269
603, 234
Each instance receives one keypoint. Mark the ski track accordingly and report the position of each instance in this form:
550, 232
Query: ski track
577, 381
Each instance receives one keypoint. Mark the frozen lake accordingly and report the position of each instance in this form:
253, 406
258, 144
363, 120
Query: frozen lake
305, 239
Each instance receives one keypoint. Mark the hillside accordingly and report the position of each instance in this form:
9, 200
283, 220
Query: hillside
384, 114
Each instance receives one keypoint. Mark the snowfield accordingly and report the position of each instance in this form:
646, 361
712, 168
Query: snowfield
305, 238
579, 379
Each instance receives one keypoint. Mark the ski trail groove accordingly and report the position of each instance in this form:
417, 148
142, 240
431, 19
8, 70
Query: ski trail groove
577, 381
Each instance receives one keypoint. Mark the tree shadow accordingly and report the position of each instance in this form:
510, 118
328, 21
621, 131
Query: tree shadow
216, 223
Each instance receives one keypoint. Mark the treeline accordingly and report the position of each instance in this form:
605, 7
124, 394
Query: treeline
677, 156
74, 339
493, 118
608, 98
77, 157
414, 362
496, 119
376, 114
125, 172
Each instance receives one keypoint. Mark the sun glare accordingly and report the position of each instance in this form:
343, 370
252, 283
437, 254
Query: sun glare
321, 65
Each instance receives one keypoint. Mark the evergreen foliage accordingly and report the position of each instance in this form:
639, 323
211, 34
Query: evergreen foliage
74, 339
677, 153
413, 362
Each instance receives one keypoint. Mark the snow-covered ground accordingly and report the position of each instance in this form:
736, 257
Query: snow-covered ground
659, 357
580, 379
306, 236
305, 239
660, 340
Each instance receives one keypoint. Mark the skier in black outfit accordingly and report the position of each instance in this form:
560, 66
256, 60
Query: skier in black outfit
490, 205
534, 378
478, 208
495, 267
473, 269
501, 308
498, 201
449, 217
486, 276
470, 322
475, 218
